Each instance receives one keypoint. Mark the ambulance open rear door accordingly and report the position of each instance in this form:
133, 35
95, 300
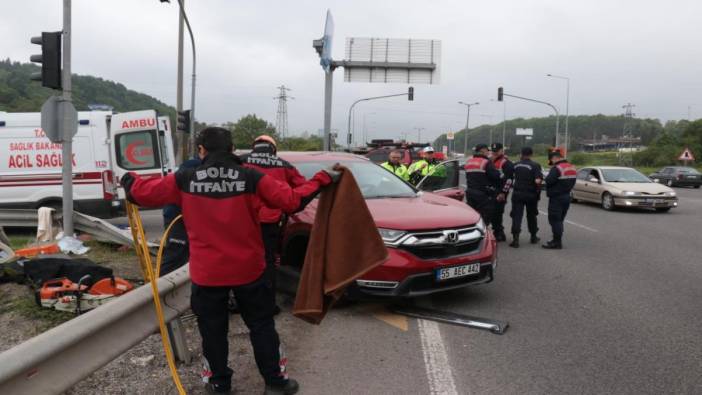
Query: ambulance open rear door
137, 145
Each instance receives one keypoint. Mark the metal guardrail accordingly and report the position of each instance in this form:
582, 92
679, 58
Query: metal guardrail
101, 229
59, 358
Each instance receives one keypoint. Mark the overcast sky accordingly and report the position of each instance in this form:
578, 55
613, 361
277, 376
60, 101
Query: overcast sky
615, 51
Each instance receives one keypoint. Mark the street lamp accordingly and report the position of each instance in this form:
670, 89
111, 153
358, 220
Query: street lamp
504, 119
365, 135
419, 134
465, 135
567, 79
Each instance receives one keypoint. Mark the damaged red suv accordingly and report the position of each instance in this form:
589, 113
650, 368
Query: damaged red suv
435, 241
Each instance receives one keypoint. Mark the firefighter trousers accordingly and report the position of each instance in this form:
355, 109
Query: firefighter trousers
520, 202
270, 232
557, 210
255, 304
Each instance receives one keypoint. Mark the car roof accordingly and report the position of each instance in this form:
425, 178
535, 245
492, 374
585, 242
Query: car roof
609, 167
317, 156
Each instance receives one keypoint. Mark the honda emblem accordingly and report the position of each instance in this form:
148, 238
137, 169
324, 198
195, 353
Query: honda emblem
451, 236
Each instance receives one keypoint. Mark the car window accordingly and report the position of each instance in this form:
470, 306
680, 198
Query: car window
443, 176
373, 180
583, 174
624, 175
688, 170
594, 173
667, 170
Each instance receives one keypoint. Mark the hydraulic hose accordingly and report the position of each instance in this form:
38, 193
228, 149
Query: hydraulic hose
142, 249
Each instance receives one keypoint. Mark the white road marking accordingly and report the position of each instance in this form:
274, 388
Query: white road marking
569, 222
436, 360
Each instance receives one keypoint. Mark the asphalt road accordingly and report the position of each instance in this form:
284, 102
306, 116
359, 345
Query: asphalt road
615, 312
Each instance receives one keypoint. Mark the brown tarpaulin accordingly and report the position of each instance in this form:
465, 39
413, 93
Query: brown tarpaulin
344, 245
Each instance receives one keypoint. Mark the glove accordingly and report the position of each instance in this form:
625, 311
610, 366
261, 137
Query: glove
501, 197
127, 180
333, 173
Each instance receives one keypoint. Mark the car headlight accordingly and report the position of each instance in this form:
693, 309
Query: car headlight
480, 225
628, 193
390, 235
670, 193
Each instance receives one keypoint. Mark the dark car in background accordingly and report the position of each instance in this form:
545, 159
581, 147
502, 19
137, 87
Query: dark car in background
678, 176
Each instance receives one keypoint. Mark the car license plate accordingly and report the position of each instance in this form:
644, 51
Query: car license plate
457, 271
654, 201
692, 177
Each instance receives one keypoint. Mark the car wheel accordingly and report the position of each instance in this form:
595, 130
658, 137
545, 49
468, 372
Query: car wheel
697, 187
572, 197
669, 183
608, 201
663, 209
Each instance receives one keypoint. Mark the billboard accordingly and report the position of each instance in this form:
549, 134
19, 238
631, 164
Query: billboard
525, 132
391, 60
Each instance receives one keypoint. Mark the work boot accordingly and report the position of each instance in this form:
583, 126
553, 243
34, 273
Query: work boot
515, 241
552, 245
289, 388
216, 389
534, 239
500, 236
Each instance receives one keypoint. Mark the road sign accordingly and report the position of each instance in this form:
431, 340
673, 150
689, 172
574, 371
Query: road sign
444, 149
59, 119
450, 135
390, 60
525, 132
686, 155
326, 55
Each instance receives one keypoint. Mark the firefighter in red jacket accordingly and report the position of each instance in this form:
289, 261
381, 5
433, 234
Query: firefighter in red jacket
481, 183
559, 182
506, 169
263, 157
221, 200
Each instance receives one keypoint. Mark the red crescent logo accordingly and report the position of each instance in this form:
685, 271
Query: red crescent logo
130, 154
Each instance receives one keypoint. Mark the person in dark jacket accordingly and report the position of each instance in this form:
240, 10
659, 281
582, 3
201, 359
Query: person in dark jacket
526, 193
559, 182
263, 157
177, 250
481, 182
506, 169
221, 200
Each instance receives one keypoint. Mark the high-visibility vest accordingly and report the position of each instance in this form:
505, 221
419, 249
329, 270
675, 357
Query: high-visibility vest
399, 170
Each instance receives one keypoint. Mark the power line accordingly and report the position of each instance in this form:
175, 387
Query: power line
281, 122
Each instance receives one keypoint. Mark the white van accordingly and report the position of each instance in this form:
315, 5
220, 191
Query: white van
30, 164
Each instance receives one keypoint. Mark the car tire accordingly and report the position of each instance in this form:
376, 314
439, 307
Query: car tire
608, 202
663, 209
696, 187
669, 183
572, 197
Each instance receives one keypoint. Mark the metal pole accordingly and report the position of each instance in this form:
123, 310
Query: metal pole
191, 145
180, 136
348, 130
328, 85
504, 121
541, 102
67, 145
465, 135
567, 136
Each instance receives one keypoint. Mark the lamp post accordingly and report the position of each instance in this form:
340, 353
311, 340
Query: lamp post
419, 134
567, 79
465, 135
365, 134
410, 95
500, 94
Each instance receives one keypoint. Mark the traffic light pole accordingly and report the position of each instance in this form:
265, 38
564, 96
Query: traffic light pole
348, 134
67, 145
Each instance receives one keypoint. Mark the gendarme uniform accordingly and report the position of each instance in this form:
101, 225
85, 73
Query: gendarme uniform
525, 194
481, 183
559, 182
506, 169
399, 170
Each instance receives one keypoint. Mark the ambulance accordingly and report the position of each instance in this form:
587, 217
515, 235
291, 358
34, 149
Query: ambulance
105, 145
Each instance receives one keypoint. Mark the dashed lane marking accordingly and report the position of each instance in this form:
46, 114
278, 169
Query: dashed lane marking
569, 222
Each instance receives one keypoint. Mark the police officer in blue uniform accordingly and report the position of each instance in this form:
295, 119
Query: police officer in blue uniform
559, 182
527, 190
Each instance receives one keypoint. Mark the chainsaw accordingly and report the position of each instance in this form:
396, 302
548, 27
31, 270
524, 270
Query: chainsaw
65, 295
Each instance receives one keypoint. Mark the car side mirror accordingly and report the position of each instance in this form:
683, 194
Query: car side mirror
594, 180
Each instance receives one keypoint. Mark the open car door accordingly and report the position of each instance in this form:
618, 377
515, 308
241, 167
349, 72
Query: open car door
444, 180
136, 144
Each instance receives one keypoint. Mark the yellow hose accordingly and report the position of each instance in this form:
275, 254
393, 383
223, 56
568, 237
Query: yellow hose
142, 248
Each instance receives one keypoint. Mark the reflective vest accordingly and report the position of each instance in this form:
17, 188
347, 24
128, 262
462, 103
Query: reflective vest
481, 175
399, 170
431, 168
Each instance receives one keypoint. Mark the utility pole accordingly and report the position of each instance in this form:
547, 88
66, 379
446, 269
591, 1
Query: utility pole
281, 122
465, 135
626, 133
67, 145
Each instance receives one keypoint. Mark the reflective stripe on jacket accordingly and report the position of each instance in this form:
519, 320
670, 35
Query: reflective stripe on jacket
399, 170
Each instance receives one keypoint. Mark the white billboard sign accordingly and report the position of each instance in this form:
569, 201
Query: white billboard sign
525, 132
450, 136
389, 60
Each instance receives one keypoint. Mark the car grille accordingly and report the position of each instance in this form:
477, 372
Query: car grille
443, 244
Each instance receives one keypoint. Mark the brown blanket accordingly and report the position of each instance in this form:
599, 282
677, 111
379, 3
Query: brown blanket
344, 245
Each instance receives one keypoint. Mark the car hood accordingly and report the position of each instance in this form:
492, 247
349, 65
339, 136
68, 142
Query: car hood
424, 212
650, 188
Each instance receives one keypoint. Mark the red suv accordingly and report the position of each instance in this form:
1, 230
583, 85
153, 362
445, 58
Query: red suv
435, 241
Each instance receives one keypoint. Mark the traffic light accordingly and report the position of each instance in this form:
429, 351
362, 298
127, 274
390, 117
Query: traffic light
500, 94
50, 59
183, 121
410, 93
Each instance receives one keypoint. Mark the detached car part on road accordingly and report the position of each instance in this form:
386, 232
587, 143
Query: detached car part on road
435, 241
614, 187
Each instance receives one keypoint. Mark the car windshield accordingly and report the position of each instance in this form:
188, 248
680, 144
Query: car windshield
624, 175
688, 170
374, 181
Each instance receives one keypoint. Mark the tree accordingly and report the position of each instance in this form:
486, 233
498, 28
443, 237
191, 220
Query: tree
247, 128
